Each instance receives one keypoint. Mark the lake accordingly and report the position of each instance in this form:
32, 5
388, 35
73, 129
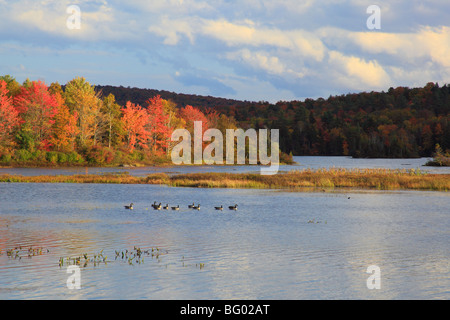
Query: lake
304, 162
277, 245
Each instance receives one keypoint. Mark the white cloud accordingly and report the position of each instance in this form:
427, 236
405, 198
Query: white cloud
263, 61
429, 43
288, 43
99, 20
171, 30
437, 43
358, 72
272, 51
172, 7
296, 6
414, 57
413, 77
300, 42
232, 34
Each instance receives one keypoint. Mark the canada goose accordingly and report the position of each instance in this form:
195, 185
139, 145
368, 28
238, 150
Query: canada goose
166, 207
154, 205
196, 207
191, 205
157, 207
176, 208
233, 207
129, 207
219, 208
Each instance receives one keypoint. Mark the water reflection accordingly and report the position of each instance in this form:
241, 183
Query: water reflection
278, 245
305, 162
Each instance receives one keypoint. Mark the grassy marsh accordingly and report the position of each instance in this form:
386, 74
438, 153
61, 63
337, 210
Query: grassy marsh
379, 179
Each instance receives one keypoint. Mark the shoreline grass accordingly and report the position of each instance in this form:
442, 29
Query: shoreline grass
297, 180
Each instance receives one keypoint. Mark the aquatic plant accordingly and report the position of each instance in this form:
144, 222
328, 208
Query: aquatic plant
84, 259
26, 251
200, 265
137, 255
316, 221
197, 265
132, 257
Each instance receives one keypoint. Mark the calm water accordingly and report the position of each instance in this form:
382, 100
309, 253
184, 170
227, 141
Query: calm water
277, 245
301, 163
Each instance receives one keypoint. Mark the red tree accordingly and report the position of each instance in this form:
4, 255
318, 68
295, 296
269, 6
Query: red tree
37, 109
65, 127
9, 117
213, 118
191, 114
134, 120
158, 124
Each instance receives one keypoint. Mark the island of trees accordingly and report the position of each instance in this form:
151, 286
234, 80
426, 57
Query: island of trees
80, 124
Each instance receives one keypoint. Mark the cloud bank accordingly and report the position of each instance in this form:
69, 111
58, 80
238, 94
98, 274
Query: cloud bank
249, 50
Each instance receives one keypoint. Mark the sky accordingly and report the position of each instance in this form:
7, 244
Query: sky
254, 50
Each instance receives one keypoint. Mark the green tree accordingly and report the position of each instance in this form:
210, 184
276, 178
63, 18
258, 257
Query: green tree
12, 85
81, 98
113, 125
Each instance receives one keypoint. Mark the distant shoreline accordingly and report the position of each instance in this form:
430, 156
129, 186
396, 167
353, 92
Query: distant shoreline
295, 180
162, 162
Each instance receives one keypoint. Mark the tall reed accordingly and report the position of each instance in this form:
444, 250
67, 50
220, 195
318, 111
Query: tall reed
382, 179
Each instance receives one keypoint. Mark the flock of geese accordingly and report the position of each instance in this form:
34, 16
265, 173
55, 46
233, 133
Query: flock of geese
191, 206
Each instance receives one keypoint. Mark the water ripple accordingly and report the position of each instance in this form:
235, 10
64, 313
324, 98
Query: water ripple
308, 246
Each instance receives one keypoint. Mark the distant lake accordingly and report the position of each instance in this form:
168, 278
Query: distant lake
313, 162
277, 245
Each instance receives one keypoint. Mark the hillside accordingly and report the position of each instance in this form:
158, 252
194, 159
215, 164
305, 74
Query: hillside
140, 96
402, 122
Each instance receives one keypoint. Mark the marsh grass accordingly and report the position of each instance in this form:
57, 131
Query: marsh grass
321, 179
382, 179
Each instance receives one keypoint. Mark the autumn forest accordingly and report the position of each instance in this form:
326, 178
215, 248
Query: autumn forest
43, 124
400, 123
79, 123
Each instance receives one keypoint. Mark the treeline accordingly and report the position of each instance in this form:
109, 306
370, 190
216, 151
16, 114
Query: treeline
81, 123
77, 124
139, 96
402, 122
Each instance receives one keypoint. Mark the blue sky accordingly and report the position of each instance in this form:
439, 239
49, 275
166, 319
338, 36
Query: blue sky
247, 50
